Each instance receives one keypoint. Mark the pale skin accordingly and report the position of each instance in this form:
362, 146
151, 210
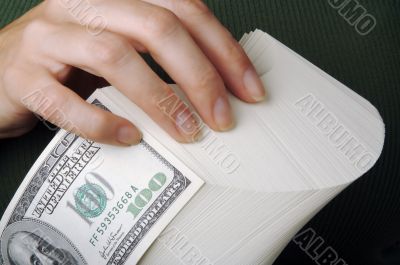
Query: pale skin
39, 51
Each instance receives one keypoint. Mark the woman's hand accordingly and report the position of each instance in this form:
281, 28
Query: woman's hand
103, 37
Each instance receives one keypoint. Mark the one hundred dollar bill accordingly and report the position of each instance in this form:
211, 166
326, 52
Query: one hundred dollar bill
89, 203
85, 203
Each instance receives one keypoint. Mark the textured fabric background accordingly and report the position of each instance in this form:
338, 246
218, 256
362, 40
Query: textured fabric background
361, 224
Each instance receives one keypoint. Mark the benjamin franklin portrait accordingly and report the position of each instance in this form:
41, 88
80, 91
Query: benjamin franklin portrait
28, 248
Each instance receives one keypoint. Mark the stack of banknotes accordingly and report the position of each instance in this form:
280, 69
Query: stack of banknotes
231, 198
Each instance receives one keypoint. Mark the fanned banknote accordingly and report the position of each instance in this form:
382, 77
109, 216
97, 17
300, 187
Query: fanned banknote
230, 198
88, 203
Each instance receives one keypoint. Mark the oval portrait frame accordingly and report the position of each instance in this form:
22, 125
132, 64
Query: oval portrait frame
47, 232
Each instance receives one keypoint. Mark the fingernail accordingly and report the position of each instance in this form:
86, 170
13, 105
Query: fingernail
128, 135
223, 114
253, 84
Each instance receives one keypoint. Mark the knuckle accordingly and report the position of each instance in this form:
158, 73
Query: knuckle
35, 29
99, 124
161, 23
209, 79
50, 106
53, 6
157, 97
192, 7
233, 53
46, 109
108, 51
10, 75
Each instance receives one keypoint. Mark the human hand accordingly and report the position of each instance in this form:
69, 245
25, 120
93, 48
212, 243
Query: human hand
39, 51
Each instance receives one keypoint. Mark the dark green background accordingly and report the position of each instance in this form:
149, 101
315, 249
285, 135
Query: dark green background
363, 223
